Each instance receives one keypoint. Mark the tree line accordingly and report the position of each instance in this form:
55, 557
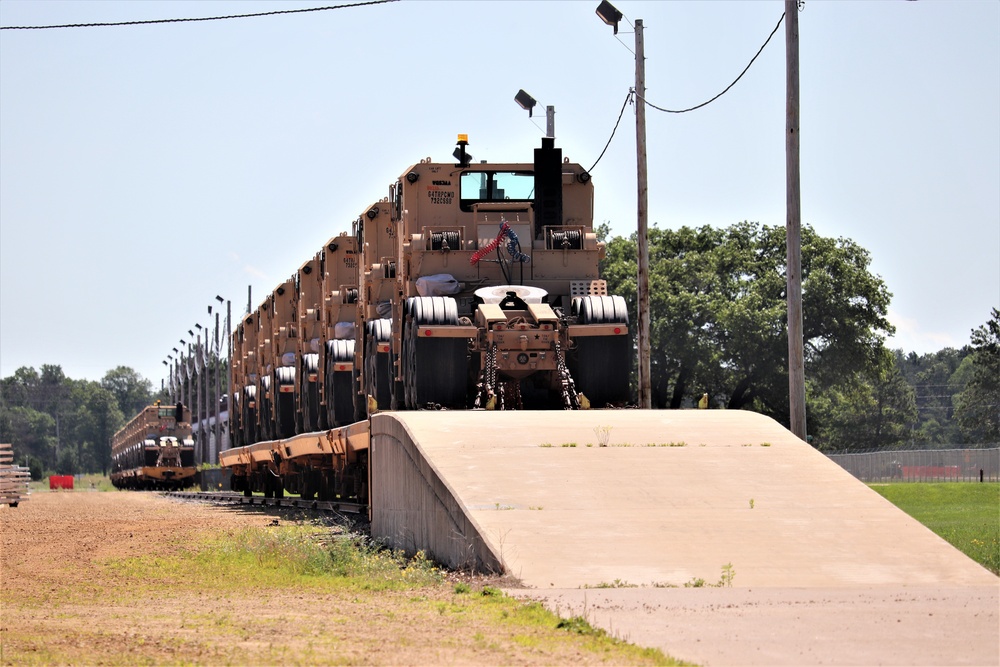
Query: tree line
718, 327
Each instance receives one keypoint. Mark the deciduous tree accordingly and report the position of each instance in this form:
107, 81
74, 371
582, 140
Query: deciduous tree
977, 408
718, 313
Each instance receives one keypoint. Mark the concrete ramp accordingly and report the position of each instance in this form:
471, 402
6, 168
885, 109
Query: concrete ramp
651, 498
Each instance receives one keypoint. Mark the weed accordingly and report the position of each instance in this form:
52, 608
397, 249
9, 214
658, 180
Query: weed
580, 626
603, 434
765, 444
545, 444
751, 503
617, 583
697, 582
569, 444
490, 591
728, 573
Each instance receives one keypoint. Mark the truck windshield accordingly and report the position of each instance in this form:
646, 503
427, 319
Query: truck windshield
493, 186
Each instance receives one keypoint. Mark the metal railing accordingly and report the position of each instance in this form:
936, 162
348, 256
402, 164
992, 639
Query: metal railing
923, 465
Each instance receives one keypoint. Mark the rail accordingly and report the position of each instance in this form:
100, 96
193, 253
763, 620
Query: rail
260, 501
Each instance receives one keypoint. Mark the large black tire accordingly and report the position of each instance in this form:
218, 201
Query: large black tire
265, 412
600, 365
435, 370
284, 401
309, 383
249, 415
377, 373
338, 386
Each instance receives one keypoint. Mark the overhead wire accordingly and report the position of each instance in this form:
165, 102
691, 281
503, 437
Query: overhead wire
620, 114
192, 20
632, 92
745, 69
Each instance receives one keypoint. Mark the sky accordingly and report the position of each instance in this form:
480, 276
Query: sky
146, 169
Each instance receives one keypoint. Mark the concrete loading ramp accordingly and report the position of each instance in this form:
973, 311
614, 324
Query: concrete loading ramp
674, 496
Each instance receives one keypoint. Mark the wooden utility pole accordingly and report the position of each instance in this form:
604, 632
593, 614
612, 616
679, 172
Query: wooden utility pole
230, 403
642, 307
217, 396
793, 241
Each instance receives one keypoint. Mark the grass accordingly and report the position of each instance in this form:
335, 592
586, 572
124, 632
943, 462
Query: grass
315, 560
965, 514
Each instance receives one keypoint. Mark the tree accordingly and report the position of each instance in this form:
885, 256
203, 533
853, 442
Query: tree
131, 391
936, 378
99, 419
873, 409
31, 432
977, 408
718, 313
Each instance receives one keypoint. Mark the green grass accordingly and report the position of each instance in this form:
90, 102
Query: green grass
966, 514
301, 555
318, 560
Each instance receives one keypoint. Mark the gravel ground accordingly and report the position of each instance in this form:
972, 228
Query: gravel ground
61, 603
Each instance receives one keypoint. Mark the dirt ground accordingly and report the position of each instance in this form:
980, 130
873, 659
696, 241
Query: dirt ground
61, 604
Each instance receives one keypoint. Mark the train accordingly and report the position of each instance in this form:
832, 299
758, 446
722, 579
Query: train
472, 285
154, 450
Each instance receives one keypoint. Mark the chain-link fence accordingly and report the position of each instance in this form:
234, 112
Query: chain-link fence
926, 465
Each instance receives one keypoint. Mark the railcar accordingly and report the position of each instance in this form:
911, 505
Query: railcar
154, 450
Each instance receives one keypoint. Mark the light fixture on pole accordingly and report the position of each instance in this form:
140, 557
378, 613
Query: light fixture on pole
527, 102
610, 15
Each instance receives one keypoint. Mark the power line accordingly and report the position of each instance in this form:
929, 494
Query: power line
192, 20
745, 69
617, 122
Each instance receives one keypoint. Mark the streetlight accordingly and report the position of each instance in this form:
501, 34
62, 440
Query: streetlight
217, 394
229, 351
611, 16
527, 102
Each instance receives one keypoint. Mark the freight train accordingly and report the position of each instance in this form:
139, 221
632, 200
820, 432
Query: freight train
470, 286
154, 450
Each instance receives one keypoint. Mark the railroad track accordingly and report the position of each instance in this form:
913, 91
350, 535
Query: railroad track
260, 501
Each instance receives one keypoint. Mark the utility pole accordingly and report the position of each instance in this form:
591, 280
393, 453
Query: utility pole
200, 402
218, 417
793, 228
229, 371
645, 391
187, 373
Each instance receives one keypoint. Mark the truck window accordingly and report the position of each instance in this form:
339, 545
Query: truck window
491, 186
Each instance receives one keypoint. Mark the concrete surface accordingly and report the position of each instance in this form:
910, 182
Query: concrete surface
817, 560
877, 625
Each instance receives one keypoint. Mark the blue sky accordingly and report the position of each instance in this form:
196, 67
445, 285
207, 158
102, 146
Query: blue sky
146, 169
